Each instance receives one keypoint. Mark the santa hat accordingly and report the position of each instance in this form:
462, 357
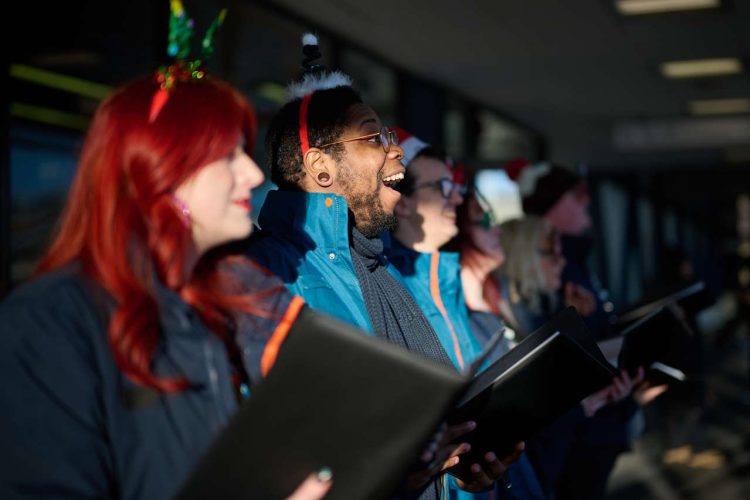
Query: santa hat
541, 184
411, 145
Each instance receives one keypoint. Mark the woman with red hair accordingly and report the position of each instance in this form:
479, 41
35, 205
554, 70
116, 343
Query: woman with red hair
128, 352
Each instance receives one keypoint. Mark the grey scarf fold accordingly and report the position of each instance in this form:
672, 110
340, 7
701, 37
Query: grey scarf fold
394, 314
395, 317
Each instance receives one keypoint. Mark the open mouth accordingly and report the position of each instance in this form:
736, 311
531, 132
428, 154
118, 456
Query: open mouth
392, 180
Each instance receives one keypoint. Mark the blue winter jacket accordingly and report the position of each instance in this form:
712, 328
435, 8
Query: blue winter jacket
434, 281
304, 239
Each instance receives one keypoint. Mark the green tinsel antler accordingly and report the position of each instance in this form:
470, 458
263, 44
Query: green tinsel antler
207, 45
182, 69
180, 31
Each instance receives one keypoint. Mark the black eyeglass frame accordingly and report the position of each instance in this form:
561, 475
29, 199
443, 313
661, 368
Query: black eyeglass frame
446, 185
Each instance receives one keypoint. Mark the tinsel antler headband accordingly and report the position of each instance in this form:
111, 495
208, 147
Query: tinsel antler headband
182, 69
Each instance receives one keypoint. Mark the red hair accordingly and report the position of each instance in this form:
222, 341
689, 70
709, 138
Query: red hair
469, 253
121, 223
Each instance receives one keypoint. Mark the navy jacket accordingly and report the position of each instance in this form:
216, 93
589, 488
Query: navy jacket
73, 426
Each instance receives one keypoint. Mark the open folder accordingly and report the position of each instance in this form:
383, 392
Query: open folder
336, 398
638, 311
654, 335
660, 343
366, 409
537, 381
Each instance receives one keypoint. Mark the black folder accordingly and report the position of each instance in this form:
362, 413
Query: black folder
534, 383
654, 335
659, 342
641, 309
336, 398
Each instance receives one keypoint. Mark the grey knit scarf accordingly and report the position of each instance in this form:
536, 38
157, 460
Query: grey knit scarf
394, 314
395, 317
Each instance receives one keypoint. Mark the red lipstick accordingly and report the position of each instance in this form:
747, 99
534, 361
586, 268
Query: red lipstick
244, 204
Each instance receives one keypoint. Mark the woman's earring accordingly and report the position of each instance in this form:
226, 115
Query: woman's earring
184, 210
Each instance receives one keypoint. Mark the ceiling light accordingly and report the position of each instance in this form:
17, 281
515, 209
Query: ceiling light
49, 116
638, 7
59, 81
701, 67
719, 107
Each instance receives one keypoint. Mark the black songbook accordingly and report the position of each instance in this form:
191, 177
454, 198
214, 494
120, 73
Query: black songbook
655, 335
638, 311
660, 343
533, 384
335, 398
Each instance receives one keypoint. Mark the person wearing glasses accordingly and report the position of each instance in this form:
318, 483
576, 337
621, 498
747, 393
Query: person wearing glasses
337, 167
481, 254
432, 189
529, 282
560, 196
430, 194
530, 274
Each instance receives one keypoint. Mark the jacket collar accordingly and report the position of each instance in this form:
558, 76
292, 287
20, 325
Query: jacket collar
410, 262
320, 216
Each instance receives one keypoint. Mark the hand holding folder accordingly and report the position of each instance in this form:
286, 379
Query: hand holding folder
336, 397
622, 386
655, 336
315, 487
545, 375
341, 399
657, 342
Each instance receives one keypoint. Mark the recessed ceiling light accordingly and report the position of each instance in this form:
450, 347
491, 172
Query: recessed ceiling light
49, 116
60, 81
719, 107
701, 67
638, 7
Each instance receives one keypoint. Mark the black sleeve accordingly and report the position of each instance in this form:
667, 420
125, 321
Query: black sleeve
51, 425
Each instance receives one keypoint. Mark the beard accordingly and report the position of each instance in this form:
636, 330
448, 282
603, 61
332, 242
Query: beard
369, 217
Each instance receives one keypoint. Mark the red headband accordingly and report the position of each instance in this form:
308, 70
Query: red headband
459, 173
303, 124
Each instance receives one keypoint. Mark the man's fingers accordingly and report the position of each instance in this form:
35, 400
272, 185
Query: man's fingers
616, 386
459, 450
453, 432
494, 466
451, 462
640, 376
480, 476
515, 454
448, 454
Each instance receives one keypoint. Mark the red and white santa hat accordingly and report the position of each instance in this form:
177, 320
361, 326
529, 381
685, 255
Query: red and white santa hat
541, 184
411, 145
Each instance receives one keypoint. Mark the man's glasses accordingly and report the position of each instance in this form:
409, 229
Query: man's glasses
447, 187
385, 137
